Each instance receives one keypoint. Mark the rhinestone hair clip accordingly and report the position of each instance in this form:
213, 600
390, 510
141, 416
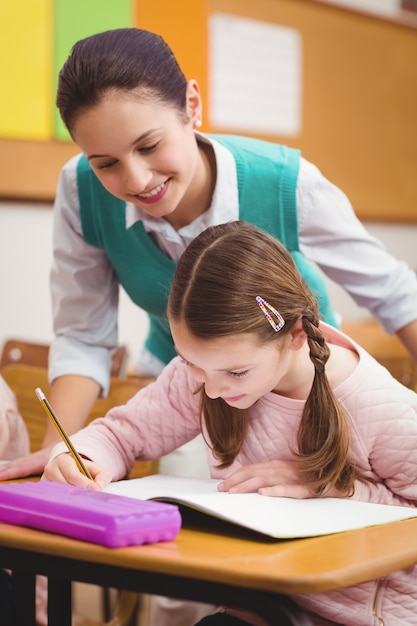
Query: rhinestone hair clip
265, 307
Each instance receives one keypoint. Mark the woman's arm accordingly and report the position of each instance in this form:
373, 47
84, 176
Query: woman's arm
408, 335
72, 398
331, 235
84, 292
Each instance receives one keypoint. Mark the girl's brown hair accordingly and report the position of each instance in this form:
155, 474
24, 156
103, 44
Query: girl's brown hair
214, 294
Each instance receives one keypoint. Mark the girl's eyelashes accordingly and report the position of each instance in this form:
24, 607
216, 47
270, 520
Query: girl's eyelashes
233, 374
239, 374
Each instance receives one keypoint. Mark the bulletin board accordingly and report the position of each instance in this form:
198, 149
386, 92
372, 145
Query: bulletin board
359, 108
359, 93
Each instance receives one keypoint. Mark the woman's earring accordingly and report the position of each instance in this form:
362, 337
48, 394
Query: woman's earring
198, 124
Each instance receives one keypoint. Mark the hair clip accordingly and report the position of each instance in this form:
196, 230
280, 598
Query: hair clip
264, 307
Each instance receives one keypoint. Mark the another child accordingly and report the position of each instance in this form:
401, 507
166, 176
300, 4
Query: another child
288, 405
14, 437
14, 442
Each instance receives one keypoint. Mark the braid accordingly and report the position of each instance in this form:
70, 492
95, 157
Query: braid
323, 435
319, 350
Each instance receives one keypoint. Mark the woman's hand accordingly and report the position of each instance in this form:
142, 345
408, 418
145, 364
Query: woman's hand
273, 478
29, 465
63, 469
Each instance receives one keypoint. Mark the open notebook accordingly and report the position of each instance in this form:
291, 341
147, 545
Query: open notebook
278, 518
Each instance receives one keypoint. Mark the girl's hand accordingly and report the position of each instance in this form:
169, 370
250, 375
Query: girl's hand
273, 478
63, 469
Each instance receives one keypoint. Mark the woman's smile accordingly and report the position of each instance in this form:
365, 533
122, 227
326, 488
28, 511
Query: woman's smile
154, 195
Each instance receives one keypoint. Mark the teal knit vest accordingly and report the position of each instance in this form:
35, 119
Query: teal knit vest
267, 176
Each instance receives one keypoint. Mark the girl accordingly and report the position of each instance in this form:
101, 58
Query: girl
288, 405
146, 185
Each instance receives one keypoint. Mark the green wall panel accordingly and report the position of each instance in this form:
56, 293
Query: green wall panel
76, 19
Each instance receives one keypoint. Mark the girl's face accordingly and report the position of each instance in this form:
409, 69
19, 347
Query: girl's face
238, 368
144, 152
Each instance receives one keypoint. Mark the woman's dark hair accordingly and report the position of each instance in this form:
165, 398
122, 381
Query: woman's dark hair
125, 59
214, 293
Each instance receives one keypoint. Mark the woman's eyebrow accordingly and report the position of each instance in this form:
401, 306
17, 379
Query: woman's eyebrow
134, 142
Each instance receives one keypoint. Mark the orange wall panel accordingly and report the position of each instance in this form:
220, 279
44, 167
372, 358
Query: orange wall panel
184, 26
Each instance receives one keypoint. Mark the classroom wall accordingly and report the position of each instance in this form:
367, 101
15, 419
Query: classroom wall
25, 257
355, 73
348, 153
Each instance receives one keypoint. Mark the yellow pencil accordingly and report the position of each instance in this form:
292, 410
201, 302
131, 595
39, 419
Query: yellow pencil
63, 434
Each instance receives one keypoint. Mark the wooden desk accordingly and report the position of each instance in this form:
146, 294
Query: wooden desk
224, 567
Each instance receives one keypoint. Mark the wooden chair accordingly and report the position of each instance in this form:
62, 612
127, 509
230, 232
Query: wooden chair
386, 349
23, 379
31, 353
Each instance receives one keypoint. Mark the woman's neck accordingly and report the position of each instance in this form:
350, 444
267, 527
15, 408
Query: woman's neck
199, 196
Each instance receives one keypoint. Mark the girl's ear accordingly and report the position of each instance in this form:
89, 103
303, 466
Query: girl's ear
297, 336
194, 106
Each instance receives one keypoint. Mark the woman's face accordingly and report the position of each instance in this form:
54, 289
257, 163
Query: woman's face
237, 368
143, 151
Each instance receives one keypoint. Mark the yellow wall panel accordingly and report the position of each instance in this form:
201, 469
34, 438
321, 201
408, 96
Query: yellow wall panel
25, 69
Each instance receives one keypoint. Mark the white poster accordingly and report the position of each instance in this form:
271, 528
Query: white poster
387, 8
255, 76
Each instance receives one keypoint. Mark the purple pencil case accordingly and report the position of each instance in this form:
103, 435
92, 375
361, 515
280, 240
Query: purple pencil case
94, 516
